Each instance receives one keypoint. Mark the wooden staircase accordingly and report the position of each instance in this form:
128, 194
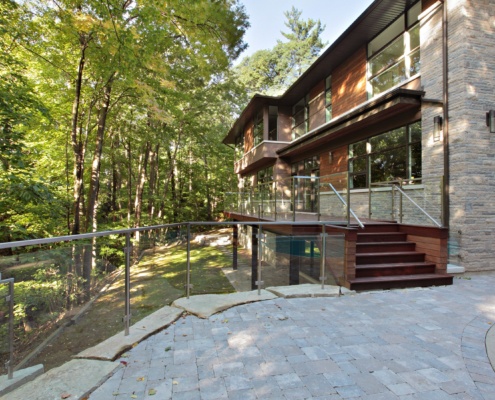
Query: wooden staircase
386, 260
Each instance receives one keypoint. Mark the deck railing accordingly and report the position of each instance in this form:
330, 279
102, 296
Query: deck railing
328, 198
55, 281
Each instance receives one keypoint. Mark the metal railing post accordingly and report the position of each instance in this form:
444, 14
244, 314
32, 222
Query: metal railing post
188, 273
10, 299
392, 213
400, 202
442, 200
259, 282
293, 194
369, 202
323, 256
318, 200
348, 202
275, 200
127, 316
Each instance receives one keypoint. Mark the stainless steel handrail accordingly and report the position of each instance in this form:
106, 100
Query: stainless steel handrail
417, 205
349, 209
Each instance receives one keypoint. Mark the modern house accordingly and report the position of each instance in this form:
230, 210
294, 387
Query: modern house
389, 137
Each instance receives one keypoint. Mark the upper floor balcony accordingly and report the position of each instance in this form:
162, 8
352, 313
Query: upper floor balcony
260, 155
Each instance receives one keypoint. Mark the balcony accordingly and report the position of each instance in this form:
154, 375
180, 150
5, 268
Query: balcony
260, 155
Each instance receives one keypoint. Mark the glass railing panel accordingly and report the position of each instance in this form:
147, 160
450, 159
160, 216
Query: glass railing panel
427, 193
419, 202
283, 202
333, 197
290, 260
381, 202
305, 197
53, 290
334, 259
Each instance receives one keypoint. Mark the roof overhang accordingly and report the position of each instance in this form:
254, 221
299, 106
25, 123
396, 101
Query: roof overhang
343, 128
257, 101
370, 23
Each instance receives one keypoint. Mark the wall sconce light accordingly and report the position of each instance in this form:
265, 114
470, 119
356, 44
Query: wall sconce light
437, 127
490, 120
330, 157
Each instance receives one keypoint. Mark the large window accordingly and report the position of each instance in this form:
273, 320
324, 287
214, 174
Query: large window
300, 118
265, 175
258, 128
393, 56
239, 147
386, 157
272, 123
328, 98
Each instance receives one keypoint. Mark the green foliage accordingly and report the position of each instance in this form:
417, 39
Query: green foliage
272, 71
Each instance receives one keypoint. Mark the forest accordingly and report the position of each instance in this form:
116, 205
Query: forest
112, 115
112, 112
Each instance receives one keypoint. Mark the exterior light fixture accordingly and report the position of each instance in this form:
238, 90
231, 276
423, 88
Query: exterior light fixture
437, 127
330, 157
490, 120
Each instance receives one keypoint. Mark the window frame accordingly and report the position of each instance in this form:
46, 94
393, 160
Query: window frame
368, 155
258, 128
304, 107
410, 22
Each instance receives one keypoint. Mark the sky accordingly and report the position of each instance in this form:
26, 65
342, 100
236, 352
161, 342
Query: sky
267, 19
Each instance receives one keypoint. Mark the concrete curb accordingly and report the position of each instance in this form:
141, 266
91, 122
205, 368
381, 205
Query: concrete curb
205, 305
20, 378
111, 348
76, 378
307, 290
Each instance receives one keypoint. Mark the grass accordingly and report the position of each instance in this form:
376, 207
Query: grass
156, 281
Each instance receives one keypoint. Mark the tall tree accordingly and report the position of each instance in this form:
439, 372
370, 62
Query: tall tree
272, 71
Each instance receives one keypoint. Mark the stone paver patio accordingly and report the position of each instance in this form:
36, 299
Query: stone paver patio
402, 344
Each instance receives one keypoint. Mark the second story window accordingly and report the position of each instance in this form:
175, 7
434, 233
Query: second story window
300, 118
239, 147
272, 123
328, 98
258, 128
393, 56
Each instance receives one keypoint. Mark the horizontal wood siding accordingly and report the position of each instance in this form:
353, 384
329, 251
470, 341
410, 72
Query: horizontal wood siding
338, 164
248, 137
317, 106
435, 250
349, 83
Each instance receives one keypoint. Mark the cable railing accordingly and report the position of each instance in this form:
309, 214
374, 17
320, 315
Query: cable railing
50, 287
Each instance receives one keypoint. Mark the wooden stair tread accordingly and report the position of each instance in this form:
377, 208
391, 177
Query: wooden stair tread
401, 278
395, 264
384, 244
388, 253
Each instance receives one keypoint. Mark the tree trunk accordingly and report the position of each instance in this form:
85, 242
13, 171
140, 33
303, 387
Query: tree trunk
208, 195
154, 172
77, 144
138, 203
94, 187
129, 183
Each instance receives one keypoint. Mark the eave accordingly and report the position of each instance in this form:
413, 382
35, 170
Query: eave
396, 102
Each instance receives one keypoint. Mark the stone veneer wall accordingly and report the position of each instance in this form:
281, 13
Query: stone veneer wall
471, 145
471, 62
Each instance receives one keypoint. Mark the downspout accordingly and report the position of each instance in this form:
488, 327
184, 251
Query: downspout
446, 163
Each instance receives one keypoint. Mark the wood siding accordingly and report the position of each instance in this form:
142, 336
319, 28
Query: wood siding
349, 83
